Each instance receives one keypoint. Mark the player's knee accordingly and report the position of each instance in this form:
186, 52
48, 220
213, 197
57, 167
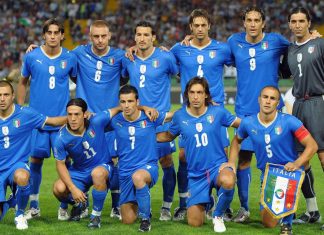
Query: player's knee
21, 177
195, 222
138, 179
99, 175
196, 216
166, 161
128, 214
59, 189
227, 179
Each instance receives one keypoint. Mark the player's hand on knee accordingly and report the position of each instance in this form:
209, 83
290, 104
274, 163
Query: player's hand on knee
291, 166
130, 51
186, 40
78, 195
228, 165
31, 47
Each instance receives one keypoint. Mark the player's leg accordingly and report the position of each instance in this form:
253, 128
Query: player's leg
100, 176
128, 212
128, 205
165, 151
196, 215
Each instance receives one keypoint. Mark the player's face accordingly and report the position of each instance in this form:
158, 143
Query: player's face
269, 100
144, 38
6, 98
100, 37
75, 118
53, 36
129, 103
197, 96
299, 25
253, 24
200, 28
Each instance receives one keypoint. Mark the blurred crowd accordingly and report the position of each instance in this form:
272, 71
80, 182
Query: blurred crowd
21, 21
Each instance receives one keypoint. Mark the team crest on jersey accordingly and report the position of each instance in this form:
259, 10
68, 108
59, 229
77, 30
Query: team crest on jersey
63, 64
131, 130
86, 145
210, 119
111, 60
143, 68
143, 124
311, 49
267, 138
5, 130
252, 52
16, 123
278, 130
155, 63
199, 126
212, 54
299, 57
92, 133
200, 59
264, 45
51, 69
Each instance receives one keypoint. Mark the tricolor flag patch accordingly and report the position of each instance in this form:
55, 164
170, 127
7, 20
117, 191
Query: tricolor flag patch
63, 64
210, 119
278, 130
155, 63
264, 45
143, 124
16, 123
111, 60
91, 133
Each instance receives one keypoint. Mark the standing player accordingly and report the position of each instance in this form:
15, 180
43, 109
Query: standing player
199, 123
306, 64
204, 57
273, 136
150, 72
257, 58
83, 141
137, 152
48, 68
16, 124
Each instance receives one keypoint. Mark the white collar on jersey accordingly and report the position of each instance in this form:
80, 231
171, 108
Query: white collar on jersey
266, 125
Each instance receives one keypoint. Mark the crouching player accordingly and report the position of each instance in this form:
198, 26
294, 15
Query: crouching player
199, 124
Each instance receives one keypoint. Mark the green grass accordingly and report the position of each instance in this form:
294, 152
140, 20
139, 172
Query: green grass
48, 223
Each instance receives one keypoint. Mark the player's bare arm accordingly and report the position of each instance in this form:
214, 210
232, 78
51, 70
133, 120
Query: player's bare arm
21, 90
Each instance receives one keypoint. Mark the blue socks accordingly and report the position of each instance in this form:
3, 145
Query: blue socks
22, 196
288, 219
98, 198
143, 199
182, 178
36, 179
114, 187
243, 185
169, 183
225, 196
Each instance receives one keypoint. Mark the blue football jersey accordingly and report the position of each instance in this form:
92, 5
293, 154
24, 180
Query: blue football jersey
136, 141
152, 78
98, 77
15, 135
49, 80
257, 66
87, 150
201, 137
207, 62
274, 143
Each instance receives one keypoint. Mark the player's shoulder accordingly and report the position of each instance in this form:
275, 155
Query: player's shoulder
178, 46
25, 110
236, 36
81, 48
273, 36
35, 53
116, 51
163, 54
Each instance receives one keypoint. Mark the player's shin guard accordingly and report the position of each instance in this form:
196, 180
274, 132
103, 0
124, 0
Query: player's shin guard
36, 179
225, 197
182, 178
243, 185
144, 202
308, 191
169, 183
114, 187
98, 198
22, 196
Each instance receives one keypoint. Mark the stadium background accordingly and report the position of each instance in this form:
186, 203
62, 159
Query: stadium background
21, 24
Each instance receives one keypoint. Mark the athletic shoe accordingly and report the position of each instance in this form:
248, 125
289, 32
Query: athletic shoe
286, 230
308, 217
32, 213
75, 213
84, 211
94, 222
179, 214
241, 216
63, 214
165, 214
21, 222
145, 225
219, 226
115, 213
228, 215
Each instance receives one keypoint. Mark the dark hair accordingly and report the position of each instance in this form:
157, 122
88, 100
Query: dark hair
204, 83
300, 10
145, 24
128, 89
199, 13
271, 87
253, 8
4, 83
53, 21
99, 23
78, 102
